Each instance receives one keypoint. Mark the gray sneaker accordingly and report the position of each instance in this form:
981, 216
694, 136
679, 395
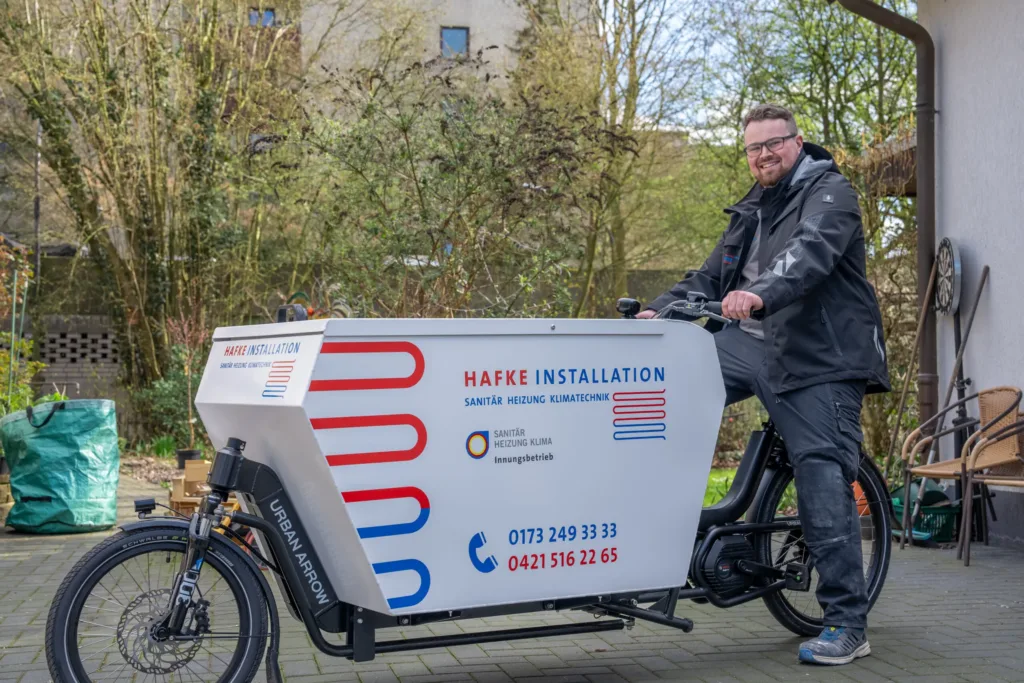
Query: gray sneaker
835, 645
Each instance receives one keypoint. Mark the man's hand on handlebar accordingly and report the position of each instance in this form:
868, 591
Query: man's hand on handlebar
739, 305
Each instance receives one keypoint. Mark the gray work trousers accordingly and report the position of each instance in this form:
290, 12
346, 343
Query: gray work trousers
820, 426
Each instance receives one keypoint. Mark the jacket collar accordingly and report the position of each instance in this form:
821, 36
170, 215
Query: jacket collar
811, 164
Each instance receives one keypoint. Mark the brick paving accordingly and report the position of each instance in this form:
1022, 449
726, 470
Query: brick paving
936, 621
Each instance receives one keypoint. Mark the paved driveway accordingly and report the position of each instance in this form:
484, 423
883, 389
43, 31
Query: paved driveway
936, 621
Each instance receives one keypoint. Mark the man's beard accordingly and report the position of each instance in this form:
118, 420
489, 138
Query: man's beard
769, 177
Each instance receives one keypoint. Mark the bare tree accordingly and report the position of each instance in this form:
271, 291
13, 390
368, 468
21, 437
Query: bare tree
632, 65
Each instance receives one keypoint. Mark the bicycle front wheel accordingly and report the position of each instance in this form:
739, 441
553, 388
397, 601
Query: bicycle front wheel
101, 622
799, 611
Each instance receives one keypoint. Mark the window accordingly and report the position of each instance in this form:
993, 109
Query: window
264, 18
454, 40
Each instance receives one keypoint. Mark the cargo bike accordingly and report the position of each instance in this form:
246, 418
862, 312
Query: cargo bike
394, 475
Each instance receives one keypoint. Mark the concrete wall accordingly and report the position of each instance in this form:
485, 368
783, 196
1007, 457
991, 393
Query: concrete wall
490, 22
980, 159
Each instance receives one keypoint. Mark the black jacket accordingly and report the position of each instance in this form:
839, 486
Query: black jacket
821, 318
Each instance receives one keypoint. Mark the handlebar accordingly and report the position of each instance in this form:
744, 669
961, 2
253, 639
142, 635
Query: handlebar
696, 309
696, 305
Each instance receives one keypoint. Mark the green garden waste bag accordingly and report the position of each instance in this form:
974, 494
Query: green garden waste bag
65, 466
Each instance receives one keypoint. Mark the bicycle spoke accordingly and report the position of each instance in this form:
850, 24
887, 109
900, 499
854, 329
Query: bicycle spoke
219, 577
132, 576
99, 652
116, 675
102, 609
118, 586
188, 667
215, 656
93, 623
113, 598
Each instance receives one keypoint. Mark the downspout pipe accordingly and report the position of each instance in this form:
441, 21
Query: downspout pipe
927, 377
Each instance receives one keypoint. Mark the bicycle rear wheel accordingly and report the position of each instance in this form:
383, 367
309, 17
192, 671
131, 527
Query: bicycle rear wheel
800, 611
100, 625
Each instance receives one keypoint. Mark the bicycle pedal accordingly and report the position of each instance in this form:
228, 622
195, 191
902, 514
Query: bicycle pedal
798, 577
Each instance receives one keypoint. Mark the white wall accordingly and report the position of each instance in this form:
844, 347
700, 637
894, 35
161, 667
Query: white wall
980, 162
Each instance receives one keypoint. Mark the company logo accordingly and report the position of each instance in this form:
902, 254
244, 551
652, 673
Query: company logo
272, 349
478, 444
638, 415
277, 382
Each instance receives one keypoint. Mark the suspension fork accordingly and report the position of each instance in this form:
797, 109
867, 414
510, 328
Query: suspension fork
223, 479
183, 590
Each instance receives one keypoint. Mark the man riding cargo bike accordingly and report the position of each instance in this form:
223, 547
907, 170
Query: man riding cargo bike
400, 473
793, 254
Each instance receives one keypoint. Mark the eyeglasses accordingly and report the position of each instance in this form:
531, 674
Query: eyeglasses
773, 145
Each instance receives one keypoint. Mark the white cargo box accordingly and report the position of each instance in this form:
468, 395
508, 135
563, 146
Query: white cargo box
451, 464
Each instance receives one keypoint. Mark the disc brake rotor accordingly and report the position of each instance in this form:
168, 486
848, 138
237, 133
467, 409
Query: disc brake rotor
135, 638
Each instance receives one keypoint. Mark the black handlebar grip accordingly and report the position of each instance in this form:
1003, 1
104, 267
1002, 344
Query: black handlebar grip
715, 307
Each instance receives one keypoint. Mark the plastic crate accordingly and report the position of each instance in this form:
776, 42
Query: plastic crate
937, 520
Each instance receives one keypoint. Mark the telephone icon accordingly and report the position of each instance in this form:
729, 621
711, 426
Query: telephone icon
475, 544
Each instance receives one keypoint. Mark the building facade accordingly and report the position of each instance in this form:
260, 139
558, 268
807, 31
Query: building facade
438, 27
980, 204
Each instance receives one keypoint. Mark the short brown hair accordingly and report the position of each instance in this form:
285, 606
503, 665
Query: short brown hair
764, 112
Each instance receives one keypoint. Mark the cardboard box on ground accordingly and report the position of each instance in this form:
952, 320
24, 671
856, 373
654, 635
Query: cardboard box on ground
6, 501
187, 490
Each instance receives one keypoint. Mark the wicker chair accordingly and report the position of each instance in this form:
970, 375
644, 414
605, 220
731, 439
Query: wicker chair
1004, 472
997, 409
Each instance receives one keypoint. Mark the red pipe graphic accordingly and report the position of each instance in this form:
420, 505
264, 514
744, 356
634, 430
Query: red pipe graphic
371, 382
374, 421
